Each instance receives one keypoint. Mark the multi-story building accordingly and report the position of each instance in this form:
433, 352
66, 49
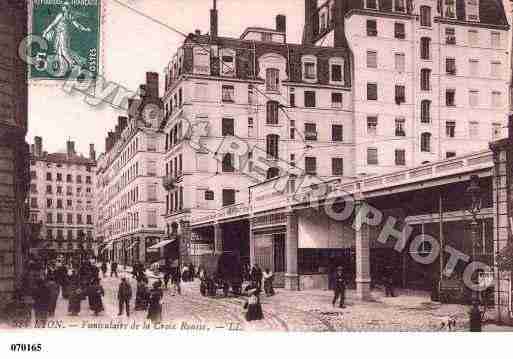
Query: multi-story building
430, 77
62, 199
241, 111
130, 198
13, 150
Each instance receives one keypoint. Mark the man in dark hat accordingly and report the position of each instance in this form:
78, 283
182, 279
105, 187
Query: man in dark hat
124, 296
339, 288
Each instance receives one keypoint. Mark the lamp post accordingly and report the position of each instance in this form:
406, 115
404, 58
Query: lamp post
473, 192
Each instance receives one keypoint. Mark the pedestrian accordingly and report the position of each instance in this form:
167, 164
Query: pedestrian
167, 276
124, 296
41, 298
268, 282
141, 296
339, 287
192, 271
388, 281
95, 294
256, 277
176, 279
253, 306
53, 287
185, 273
76, 295
154, 306
114, 269
104, 268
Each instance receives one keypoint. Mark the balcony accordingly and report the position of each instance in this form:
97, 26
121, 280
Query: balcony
168, 182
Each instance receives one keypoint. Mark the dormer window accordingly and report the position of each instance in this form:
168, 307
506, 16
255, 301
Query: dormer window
371, 4
337, 70
399, 5
272, 79
450, 9
472, 10
309, 68
201, 61
227, 62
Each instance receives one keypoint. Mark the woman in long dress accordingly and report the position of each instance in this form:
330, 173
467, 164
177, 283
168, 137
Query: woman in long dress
96, 293
154, 307
58, 33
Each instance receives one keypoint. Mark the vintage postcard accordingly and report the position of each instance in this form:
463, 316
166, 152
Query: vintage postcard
239, 167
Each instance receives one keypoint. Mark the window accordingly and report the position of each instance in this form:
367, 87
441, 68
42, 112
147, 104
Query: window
59, 189
473, 39
311, 165
372, 91
450, 36
48, 189
272, 79
450, 129
425, 142
272, 142
33, 188
372, 125
227, 62
228, 93
473, 129
337, 166
425, 16
88, 179
372, 28
89, 219
336, 73
474, 67
273, 172
151, 144
152, 168
449, 8
292, 97
336, 99
48, 176
399, 127
399, 62
59, 203
250, 126
399, 30
79, 179
450, 97
49, 203
59, 217
450, 66
495, 39
292, 129
272, 112
227, 163
201, 61
152, 218
309, 98
400, 157
399, 5
227, 127
33, 175
372, 156
209, 195
69, 218
496, 130
371, 4
495, 69
69, 178
450, 154
400, 94
337, 133
310, 132
496, 99
69, 203
49, 218
425, 48
472, 10
228, 197
473, 98
310, 71
33, 202
425, 83
69, 191
372, 59
59, 177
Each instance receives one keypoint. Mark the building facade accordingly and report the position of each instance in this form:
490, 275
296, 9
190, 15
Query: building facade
238, 112
130, 198
431, 77
62, 201
14, 151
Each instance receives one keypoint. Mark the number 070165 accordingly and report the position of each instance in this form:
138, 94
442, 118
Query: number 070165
26, 347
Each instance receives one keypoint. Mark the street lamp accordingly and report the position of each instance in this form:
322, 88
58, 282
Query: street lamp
473, 193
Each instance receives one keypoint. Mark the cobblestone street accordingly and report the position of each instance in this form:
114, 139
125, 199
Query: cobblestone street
286, 311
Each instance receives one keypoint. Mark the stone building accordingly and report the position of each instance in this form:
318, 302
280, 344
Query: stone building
130, 197
62, 200
14, 151
430, 77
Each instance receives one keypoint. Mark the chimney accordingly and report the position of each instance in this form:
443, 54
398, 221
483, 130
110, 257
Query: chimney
92, 152
142, 91
281, 23
213, 21
70, 148
152, 84
310, 11
38, 148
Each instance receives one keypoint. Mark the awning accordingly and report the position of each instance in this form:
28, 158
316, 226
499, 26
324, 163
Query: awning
156, 247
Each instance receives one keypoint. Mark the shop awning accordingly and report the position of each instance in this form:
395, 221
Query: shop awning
156, 247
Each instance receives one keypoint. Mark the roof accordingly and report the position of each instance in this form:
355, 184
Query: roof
60, 157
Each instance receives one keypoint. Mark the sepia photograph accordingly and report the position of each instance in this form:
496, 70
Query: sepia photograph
227, 168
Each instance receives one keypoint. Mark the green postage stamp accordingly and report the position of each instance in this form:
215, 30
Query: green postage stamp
69, 32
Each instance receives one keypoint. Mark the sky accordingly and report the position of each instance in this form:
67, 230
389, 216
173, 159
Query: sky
133, 44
